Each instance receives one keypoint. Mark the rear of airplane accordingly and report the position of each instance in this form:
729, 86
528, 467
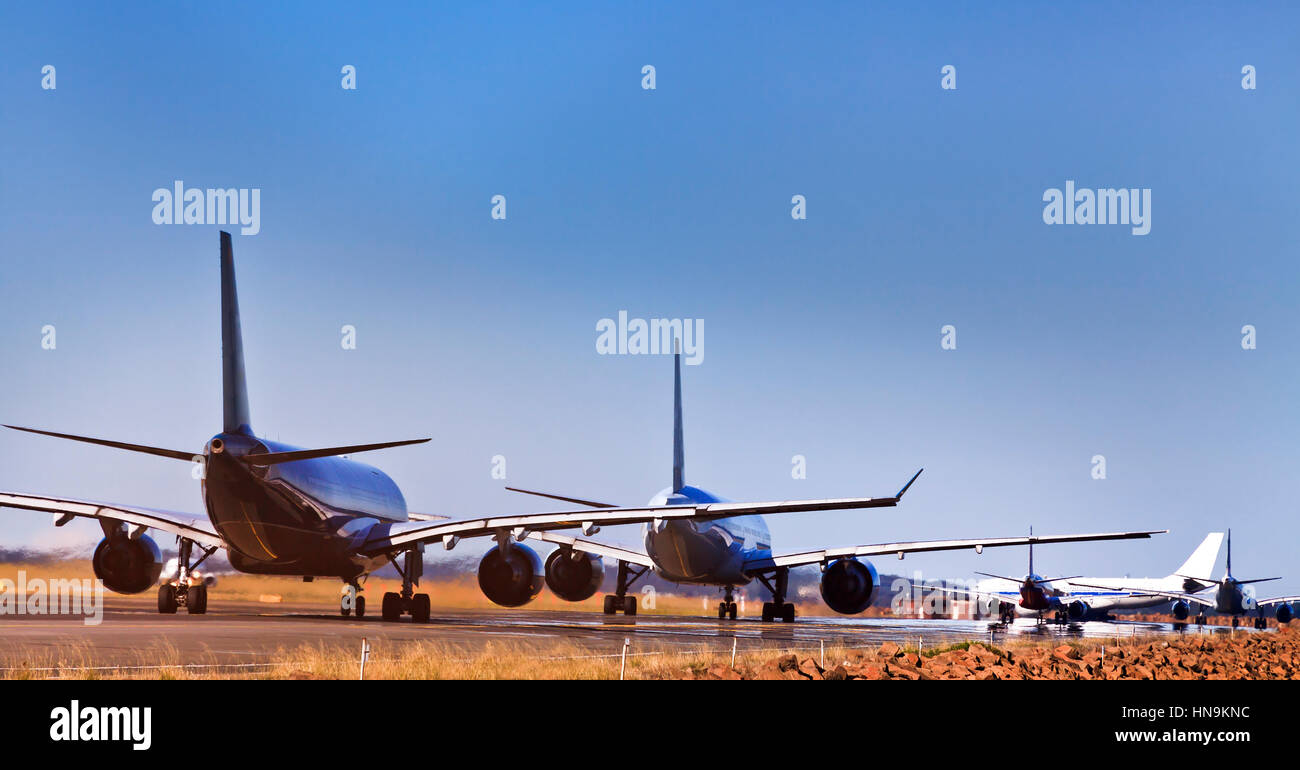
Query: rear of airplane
1199, 567
234, 389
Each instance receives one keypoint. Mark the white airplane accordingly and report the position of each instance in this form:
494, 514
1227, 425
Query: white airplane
1232, 597
1080, 598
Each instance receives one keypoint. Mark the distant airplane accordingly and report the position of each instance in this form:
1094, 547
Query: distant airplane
1232, 597
732, 551
281, 510
1035, 596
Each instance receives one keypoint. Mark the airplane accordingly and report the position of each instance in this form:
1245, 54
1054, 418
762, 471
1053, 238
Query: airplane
1035, 596
277, 509
1232, 597
732, 552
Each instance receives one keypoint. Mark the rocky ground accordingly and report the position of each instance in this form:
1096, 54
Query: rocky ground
1267, 655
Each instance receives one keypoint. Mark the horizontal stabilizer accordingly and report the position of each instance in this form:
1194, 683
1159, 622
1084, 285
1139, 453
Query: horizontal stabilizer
175, 454
274, 458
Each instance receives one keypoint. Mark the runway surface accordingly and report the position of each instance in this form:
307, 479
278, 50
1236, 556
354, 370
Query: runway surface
249, 633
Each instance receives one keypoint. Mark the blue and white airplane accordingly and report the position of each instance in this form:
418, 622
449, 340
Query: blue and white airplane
280, 510
736, 549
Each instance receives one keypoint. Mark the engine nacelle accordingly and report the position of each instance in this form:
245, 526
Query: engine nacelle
1181, 610
512, 578
126, 565
573, 575
1079, 609
1285, 612
848, 584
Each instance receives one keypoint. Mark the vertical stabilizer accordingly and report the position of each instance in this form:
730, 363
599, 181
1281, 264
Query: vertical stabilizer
234, 391
1228, 571
1200, 564
679, 452
1031, 550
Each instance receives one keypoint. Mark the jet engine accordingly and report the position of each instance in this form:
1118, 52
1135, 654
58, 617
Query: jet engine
511, 578
1181, 610
128, 565
1079, 609
847, 585
1285, 612
573, 575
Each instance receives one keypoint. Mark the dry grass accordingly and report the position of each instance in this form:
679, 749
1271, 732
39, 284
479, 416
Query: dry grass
388, 660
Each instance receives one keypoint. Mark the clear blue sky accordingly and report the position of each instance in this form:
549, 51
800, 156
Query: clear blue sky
822, 336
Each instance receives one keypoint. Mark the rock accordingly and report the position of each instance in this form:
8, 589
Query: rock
837, 674
719, 671
810, 669
889, 650
787, 663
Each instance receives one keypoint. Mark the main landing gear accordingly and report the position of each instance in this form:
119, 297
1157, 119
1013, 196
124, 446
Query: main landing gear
619, 601
727, 607
179, 591
778, 607
1261, 623
408, 602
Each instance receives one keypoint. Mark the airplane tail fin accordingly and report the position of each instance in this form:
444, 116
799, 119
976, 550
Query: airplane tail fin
234, 390
1200, 565
679, 452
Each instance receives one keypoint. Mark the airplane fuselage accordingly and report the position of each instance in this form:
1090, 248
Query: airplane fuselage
706, 552
307, 517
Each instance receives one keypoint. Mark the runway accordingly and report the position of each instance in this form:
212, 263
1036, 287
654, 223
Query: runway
248, 633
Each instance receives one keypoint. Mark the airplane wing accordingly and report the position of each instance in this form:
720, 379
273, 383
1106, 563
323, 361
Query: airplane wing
1277, 600
768, 563
522, 524
999, 598
593, 547
180, 524
1171, 595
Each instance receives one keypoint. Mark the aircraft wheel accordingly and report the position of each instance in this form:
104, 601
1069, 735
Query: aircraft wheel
391, 607
360, 608
769, 612
196, 599
722, 610
787, 612
629, 605
731, 610
420, 608
167, 599
1235, 621
610, 608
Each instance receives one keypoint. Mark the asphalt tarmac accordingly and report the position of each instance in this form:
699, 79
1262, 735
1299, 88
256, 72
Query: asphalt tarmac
246, 634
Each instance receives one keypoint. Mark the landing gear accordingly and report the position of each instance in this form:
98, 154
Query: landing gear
1200, 619
1261, 623
167, 599
183, 590
1236, 621
727, 607
778, 607
395, 605
619, 600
